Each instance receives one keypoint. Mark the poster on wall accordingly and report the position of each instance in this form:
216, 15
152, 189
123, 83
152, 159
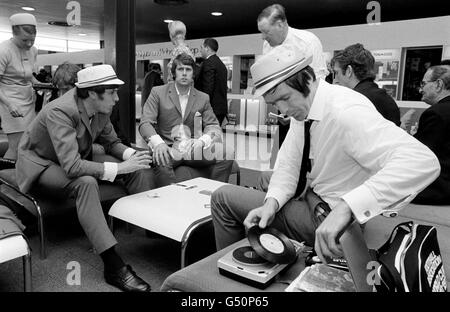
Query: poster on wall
387, 65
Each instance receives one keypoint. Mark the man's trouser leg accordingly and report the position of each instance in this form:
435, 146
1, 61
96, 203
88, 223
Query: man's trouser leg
230, 205
89, 210
139, 181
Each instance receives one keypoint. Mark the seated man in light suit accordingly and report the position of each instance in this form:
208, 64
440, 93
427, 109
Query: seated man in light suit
179, 125
55, 157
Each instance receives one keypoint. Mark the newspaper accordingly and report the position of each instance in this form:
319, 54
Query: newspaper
322, 278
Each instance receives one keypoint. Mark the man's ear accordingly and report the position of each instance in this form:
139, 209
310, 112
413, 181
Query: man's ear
92, 94
349, 71
439, 85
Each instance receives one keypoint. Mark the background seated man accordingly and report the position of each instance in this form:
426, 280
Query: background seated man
351, 171
55, 157
179, 125
354, 67
434, 131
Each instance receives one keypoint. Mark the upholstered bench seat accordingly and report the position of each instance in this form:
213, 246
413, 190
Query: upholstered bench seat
204, 276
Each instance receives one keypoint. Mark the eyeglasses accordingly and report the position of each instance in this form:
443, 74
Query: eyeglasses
423, 83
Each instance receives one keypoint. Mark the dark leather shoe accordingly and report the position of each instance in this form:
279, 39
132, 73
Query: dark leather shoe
127, 280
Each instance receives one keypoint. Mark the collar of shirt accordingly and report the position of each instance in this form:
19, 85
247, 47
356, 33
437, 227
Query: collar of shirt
319, 101
183, 99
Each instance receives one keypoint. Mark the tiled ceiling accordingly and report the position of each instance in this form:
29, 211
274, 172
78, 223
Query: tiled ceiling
239, 16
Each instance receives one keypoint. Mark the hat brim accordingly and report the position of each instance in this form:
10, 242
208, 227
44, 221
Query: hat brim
279, 77
115, 81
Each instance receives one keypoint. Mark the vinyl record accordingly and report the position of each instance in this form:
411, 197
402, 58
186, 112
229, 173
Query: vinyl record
271, 244
247, 255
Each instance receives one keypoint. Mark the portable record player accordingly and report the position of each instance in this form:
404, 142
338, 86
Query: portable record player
258, 261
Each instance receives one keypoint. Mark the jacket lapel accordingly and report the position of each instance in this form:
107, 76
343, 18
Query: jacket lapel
84, 117
190, 103
174, 97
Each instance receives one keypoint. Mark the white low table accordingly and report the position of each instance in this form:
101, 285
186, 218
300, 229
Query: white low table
174, 211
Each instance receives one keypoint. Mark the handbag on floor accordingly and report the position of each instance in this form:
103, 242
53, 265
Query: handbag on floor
411, 261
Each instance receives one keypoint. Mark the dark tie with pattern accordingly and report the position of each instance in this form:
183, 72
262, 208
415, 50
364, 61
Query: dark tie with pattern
306, 162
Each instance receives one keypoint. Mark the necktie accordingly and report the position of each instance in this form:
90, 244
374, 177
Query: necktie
306, 162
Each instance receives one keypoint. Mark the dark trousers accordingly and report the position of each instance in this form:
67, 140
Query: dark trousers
230, 205
85, 190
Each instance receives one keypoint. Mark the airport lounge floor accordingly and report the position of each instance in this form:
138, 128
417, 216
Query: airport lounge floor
152, 258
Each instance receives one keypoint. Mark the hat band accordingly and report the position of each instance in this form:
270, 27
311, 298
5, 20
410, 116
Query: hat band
97, 81
277, 75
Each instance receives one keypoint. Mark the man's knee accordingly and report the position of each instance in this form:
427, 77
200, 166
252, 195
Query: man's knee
86, 180
220, 196
262, 183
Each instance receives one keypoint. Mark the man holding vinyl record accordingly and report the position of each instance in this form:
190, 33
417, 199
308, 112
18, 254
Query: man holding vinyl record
346, 163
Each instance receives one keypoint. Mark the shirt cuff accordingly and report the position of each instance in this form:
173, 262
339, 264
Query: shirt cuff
362, 203
110, 171
154, 141
206, 139
127, 153
279, 195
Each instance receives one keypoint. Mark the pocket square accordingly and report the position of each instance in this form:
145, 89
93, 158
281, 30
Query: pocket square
197, 114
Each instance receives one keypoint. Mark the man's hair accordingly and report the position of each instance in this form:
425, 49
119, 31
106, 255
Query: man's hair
212, 44
360, 59
83, 93
27, 29
445, 62
300, 81
154, 66
66, 75
441, 72
274, 12
184, 59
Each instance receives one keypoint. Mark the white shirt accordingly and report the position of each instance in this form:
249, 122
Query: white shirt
357, 156
299, 37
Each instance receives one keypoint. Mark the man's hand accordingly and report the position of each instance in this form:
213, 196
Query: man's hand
14, 110
262, 216
327, 233
137, 161
194, 145
161, 154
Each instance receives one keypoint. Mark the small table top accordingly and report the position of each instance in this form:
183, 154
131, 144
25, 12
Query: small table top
168, 210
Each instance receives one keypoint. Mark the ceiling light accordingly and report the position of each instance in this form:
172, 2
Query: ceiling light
82, 34
168, 21
27, 8
216, 13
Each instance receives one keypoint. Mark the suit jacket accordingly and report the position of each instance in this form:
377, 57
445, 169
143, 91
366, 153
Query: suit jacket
162, 112
212, 80
61, 134
383, 102
434, 132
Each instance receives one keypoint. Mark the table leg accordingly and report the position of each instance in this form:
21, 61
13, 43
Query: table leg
187, 235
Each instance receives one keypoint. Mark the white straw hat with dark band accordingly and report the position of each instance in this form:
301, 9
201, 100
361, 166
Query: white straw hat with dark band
22, 19
277, 65
97, 76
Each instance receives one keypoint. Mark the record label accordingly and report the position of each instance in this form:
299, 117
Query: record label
247, 255
271, 243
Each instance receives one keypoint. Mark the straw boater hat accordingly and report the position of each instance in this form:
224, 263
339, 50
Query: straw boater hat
22, 19
97, 76
280, 63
